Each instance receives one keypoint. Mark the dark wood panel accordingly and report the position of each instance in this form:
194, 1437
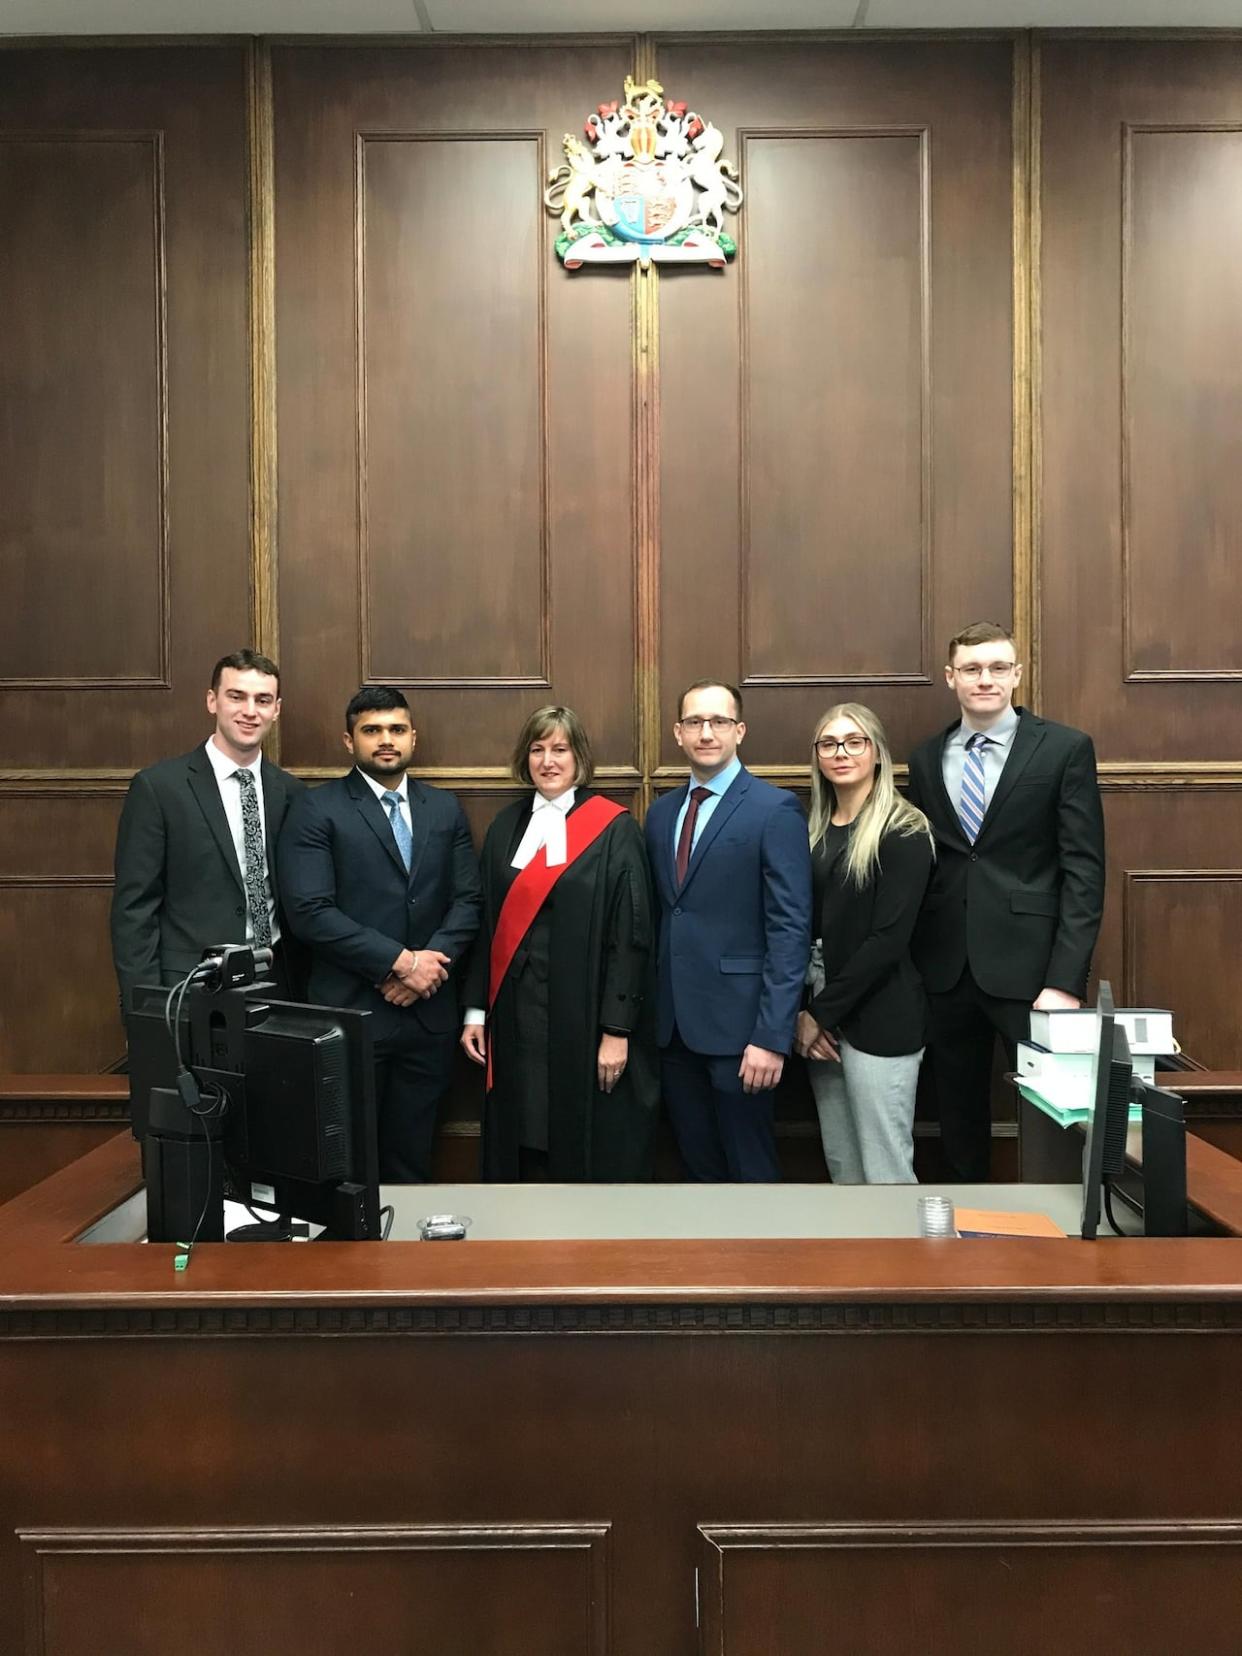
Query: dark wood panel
835, 373
83, 353
478, 604
56, 981
516, 1591
862, 362
82, 290
48, 1121
1182, 384
31, 1151
615, 1385
1174, 877
48, 830
454, 450
1176, 922
1182, 393
885, 1590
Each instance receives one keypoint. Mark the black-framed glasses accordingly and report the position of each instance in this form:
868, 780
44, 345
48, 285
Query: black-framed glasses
718, 722
853, 746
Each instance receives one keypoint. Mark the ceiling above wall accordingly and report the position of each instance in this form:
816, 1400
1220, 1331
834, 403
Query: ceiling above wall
163, 17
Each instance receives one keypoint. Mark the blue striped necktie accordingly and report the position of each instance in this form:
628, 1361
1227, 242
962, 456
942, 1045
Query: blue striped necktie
402, 835
973, 801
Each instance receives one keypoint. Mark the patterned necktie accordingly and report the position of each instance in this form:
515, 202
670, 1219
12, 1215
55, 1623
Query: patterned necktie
974, 800
405, 842
685, 840
256, 862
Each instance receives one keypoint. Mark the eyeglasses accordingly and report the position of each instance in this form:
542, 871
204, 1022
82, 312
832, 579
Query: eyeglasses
996, 669
851, 745
719, 724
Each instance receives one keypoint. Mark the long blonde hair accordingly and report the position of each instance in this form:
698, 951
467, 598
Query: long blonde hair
884, 811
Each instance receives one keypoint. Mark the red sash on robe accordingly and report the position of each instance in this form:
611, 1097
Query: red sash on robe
528, 893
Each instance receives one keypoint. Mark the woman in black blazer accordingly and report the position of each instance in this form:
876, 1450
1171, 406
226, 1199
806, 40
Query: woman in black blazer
863, 1030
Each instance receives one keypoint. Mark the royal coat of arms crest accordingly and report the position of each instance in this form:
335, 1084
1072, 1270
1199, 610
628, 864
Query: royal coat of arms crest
648, 184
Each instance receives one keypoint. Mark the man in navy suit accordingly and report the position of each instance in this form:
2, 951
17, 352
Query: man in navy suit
380, 880
732, 871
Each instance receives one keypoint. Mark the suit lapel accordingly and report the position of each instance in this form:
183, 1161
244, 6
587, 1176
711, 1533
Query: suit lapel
666, 849
948, 807
729, 802
1026, 738
206, 791
376, 818
418, 824
273, 787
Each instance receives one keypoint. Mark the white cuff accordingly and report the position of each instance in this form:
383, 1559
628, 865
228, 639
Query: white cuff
474, 1015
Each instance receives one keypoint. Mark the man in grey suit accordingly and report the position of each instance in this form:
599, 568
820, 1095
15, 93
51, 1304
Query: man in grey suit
196, 845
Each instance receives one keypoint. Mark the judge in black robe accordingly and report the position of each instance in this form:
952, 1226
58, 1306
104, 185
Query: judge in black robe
574, 1091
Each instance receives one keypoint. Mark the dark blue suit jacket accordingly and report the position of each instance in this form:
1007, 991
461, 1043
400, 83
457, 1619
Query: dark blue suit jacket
347, 894
736, 937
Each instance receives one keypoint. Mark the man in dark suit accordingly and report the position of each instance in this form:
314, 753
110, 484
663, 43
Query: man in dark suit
732, 868
380, 880
196, 845
1014, 905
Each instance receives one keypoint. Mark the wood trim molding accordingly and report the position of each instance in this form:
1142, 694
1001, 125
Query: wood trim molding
261, 252
645, 438
1138, 1316
1027, 362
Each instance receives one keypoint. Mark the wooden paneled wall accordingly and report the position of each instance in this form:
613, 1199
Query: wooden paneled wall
289, 360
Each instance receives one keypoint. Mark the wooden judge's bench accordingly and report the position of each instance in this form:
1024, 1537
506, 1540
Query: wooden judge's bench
775, 1444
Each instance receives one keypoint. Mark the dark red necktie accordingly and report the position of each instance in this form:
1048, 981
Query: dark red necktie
686, 838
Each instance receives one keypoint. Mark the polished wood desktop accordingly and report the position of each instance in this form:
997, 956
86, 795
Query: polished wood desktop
533, 1448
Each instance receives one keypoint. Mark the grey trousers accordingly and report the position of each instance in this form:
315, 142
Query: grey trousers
866, 1110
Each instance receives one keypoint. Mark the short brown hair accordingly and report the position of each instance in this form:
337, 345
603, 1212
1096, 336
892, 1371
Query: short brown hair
245, 661
711, 684
979, 632
541, 724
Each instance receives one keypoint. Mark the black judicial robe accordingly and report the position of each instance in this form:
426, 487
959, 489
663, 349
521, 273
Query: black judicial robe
592, 942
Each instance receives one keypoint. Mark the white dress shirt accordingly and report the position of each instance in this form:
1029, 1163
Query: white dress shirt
546, 828
400, 787
226, 770
995, 752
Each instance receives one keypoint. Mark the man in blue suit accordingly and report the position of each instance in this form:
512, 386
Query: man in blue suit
379, 877
732, 870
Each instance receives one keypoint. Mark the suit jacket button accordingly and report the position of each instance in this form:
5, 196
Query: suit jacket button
974, 856
240, 912
676, 911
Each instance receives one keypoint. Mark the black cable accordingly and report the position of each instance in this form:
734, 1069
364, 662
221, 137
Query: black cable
387, 1223
205, 1107
1108, 1209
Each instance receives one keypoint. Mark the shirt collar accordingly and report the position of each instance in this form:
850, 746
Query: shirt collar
224, 766
379, 790
1001, 732
562, 803
720, 783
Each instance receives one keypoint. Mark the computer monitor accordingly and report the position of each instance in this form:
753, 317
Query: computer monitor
1105, 1154
281, 1111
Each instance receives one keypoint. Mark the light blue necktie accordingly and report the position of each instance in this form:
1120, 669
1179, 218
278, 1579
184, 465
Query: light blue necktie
405, 842
974, 800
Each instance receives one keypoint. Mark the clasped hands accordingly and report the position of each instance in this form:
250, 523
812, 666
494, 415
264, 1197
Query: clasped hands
415, 975
812, 1041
